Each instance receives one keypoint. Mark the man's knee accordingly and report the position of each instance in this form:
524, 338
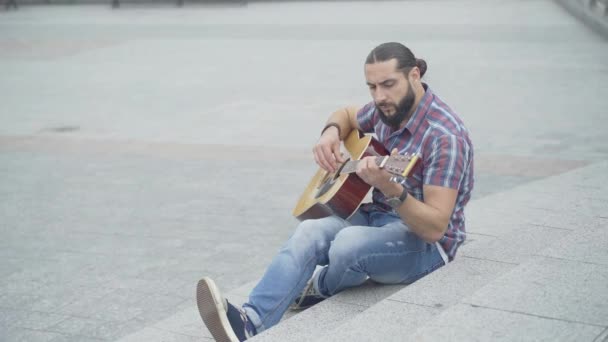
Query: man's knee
349, 245
312, 234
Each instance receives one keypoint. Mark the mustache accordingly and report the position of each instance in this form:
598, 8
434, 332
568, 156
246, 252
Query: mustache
384, 104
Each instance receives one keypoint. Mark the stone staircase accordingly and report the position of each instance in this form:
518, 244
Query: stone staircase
534, 267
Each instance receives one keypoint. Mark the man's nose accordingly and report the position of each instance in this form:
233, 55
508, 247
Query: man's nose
379, 96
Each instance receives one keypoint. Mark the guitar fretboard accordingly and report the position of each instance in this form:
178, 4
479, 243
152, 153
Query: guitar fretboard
351, 165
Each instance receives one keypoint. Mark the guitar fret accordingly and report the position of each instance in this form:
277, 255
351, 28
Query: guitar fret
384, 162
351, 165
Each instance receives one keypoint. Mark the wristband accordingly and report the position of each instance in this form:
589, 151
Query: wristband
332, 124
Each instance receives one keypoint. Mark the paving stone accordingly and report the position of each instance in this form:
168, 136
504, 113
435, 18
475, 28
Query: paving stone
170, 287
299, 328
8, 317
553, 288
77, 326
29, 320
64, 299
19, 284
37, 320
8, 267
367, 294
603, 337
386, 321
154, 334
74, 338
111, 331
464, 322
499, 183
118, 305
448, 285
584, 246
497, 220
156, 307
15, 334
515, 246
186, 322
19, 301
96, 329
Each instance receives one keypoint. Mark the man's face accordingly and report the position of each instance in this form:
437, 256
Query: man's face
390, 90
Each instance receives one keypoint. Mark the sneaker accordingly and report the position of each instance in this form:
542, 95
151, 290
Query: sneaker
226, 322
309, 297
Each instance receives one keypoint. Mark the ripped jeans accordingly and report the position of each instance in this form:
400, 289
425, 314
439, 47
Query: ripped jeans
372, 245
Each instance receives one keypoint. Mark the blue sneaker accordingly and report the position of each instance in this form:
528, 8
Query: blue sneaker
226, 322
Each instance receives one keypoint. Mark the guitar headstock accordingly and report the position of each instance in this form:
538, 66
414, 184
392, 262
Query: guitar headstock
401, 166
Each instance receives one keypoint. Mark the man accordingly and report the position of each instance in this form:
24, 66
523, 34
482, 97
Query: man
411, 228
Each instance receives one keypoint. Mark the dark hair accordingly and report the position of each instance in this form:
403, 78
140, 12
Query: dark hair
405, 58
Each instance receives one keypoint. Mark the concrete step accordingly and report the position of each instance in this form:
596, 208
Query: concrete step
312, 324
552, 232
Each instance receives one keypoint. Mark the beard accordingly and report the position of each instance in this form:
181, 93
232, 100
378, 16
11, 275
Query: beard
401, 111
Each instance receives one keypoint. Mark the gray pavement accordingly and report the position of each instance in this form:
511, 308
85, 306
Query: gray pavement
143, 148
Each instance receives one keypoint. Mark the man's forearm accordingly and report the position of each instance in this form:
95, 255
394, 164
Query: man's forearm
346, 119
424, 220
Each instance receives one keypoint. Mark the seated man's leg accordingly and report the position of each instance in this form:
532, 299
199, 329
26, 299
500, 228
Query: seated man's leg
387, 254
291, 269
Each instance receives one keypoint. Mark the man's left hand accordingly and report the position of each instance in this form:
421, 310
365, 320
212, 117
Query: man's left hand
372, 174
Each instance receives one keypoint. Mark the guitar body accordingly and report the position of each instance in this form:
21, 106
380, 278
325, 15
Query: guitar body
334, 193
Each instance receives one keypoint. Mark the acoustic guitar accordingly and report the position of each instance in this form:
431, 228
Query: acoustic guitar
340, 193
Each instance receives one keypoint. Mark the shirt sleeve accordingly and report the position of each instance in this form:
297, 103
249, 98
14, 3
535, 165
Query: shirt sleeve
366, 117
446, 164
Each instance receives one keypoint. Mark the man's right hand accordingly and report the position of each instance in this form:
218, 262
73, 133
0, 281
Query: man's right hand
327, 150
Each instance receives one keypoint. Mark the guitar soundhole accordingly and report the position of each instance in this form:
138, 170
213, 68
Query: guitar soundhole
329, 180
324, 188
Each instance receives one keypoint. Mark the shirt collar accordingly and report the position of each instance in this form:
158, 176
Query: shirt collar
423, 108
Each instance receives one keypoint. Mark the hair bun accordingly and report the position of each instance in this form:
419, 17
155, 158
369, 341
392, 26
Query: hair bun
421, 64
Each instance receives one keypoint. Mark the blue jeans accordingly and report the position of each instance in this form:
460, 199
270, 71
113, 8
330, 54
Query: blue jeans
372, 245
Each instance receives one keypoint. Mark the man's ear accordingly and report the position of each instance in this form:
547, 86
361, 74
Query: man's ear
414, 74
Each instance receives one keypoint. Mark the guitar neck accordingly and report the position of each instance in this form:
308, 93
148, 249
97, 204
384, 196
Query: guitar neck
396, 165
351, 165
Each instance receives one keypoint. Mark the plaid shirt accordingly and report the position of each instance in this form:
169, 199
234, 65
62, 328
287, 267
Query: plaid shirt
439, 136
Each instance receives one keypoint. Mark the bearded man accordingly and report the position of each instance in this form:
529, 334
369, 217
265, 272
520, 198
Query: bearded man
411, 228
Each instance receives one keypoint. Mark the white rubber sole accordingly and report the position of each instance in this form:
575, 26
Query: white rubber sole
213, 312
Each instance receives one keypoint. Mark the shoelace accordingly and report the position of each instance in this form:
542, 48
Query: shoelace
246, 323
310, 290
